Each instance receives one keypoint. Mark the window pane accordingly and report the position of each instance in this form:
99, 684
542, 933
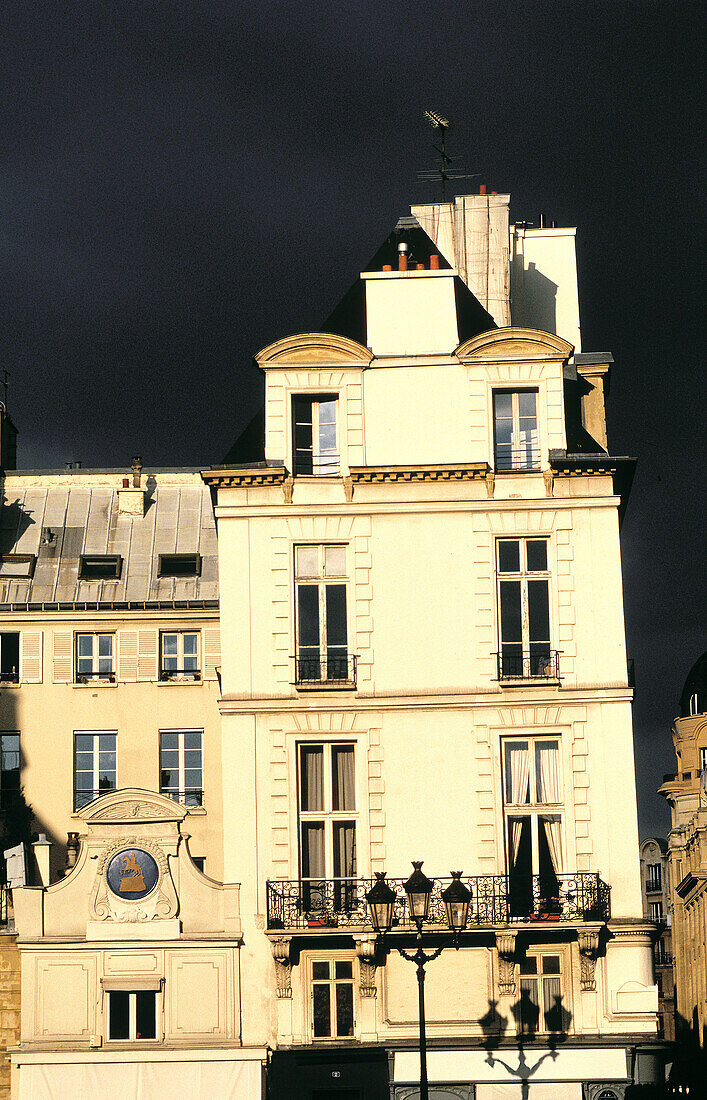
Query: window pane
313, 851
322, 1010
537, 555
169, 645
526, 404
509, 556
84, 742
551, 964
344, 968
192, 740
145, 1014
503, 404
342, 775
169, 779
307, 561
552, 996
529, 1008
119, 1012
169, 740
308, 614
511, 624
336, 614
529, 965
105, 645
320, 971
190, 644
344, 1009
344, 849
311, 778
538, 611
85, 645
517, 773
335, 561
547, 771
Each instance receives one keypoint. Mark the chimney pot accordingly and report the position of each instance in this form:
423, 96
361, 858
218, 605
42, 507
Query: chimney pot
420, 267
387, 267
482, 188
402, 261
434, 262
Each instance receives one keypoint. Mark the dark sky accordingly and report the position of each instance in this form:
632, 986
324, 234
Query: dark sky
183, 183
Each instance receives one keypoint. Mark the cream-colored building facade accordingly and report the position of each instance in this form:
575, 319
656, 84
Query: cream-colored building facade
422, 658
425, 659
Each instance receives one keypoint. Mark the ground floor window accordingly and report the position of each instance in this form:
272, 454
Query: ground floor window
541, 998
132, 1014
332, 998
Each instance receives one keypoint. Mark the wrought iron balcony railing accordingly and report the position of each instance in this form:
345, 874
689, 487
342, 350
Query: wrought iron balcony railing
83, 797
180, 674
190, 797
325, 668
326, 465
516, 458
341, 903
528, 666
85, 677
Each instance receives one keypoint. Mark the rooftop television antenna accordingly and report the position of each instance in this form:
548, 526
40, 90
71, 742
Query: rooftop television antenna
444, 172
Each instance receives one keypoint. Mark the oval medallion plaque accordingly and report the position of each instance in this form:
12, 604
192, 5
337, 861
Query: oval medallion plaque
132, 874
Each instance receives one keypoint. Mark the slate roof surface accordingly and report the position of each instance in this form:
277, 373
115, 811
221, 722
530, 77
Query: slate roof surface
83, 517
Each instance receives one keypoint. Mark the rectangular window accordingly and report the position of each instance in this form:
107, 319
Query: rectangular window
314, 434
654, 878
100, 567
515, 425
17, 566
524, 609
94, 658
533, 808
179, 565
181, 775
179, 656
656, 910
9, 657
9, 769
327, 828
132, 1015
94, 765
321, 591
333, 999
541, 1007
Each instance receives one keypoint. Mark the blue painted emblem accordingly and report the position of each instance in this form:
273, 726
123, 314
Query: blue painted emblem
132, 874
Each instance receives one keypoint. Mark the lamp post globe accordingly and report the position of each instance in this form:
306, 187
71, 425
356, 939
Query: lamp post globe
456, 900
419, 890
381, 900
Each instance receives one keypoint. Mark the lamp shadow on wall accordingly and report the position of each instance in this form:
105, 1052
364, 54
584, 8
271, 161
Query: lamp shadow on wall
521, 1064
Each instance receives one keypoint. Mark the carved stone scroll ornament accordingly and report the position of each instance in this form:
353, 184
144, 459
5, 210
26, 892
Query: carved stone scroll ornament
366, 951
161, 902
490, 484
506, 944
588, 951
549, 479
283, 965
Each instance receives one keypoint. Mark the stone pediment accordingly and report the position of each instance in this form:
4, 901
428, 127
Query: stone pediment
315, 348
514, 344
132, 806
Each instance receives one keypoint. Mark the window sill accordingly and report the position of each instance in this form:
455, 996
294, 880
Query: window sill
327, 685
180, 681
92, 684
529, 681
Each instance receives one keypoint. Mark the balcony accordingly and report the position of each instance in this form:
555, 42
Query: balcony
516, 459
330, 671
341, 903
528, 666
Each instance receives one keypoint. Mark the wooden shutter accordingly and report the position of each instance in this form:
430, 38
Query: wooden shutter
212, 651
127, 655
147, 655
31, 656
62, 654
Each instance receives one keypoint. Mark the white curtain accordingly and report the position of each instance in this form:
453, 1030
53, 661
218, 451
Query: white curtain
313, 860
547, 762
516, 834
312, 779
553, 834
345, 850
517, 772
344, 797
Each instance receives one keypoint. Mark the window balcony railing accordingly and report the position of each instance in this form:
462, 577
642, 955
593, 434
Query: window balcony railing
341, 903
180, 674
511, 459
11, 677
543, 665
326, 465
329, 670
190, 797
83, 797
88, 677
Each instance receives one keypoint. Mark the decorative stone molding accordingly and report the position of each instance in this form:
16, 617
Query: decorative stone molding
348, 489
160, 905
490, 484
443, 472
588, 950
283, 965
549, 479
287, 489
366, 951
506, 945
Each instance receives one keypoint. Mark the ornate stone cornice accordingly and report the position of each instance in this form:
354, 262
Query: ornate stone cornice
369, 475
245, 477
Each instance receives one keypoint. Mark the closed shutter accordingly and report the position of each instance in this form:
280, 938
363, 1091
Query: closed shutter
147, 655
212, 651
127, 655
31, 656
62, 655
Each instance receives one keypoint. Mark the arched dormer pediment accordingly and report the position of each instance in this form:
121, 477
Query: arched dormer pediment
514, 344
316, 348
131, 806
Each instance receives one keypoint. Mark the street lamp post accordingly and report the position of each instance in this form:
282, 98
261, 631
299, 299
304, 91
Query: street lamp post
381, 902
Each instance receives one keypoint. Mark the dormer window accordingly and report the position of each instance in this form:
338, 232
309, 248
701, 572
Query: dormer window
179, 565
315, 448
100, 567
515, 426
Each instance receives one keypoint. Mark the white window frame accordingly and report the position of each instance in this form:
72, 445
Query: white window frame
132, 1015
531, 665
332, 959
533, 809
555, 952
656, 908
324, 668
182, 790
10, 792
326, 462
327, 816
95, 676
518, 464
654, 877
180, 673
96, 763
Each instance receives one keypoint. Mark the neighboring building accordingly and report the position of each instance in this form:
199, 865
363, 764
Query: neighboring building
655, 886
687, 855
421, 592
